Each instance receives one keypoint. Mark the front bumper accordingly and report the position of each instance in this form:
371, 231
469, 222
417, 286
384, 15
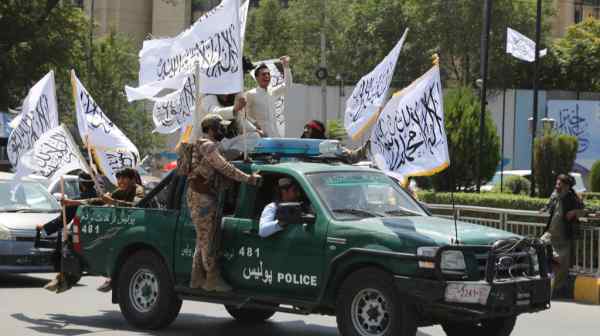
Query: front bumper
506, 298
22, 257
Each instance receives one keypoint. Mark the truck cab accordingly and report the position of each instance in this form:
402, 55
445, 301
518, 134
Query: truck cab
357, 246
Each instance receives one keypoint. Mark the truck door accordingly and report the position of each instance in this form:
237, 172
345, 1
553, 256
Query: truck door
288, 263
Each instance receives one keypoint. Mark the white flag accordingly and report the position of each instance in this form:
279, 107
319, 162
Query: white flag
213, 41
277, 79
370, 92
409, 138
53, 155
520, 46
112, 150
38, 114
172, 111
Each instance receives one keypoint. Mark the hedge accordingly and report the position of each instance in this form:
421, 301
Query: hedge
591, 196
494, 200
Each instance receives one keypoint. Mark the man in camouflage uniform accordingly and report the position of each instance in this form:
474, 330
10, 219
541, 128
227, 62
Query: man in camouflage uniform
207, 165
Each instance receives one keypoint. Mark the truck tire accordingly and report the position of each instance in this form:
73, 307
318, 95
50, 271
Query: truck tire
249, 315
368, 305
500, 326
147, 295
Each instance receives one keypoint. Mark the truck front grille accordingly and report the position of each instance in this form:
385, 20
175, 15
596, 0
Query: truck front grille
508, 265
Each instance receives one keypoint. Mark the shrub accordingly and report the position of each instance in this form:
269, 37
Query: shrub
335, 130
595, 177
494, 200
517, 185
554, 154
462, 111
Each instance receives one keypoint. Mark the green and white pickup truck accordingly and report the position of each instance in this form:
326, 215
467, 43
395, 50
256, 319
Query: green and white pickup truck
365, 252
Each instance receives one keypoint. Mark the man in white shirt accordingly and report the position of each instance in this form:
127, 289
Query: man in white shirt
226, 106
261, 100
288, 192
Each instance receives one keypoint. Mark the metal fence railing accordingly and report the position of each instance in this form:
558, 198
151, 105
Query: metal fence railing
531, 224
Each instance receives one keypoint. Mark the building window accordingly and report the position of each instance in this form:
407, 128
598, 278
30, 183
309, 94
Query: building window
578, 11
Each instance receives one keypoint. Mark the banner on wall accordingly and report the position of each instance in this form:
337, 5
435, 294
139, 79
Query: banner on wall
580, 118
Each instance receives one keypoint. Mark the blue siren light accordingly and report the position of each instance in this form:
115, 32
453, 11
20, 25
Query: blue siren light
297, 147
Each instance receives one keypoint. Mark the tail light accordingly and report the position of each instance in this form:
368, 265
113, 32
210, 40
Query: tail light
76, 234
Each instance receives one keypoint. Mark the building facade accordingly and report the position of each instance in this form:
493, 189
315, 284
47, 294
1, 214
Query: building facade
570, 12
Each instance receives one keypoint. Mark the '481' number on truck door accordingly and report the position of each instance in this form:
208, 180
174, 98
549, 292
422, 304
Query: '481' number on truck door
250, 252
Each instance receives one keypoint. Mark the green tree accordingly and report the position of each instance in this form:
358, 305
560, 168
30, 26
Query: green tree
578, 55
453, 28
267, 31
461, 113
359, 33
554, 154
35, 37
595, 177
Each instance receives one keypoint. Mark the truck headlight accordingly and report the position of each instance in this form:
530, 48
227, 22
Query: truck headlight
427, 251
535, 262
453, 261
5, 233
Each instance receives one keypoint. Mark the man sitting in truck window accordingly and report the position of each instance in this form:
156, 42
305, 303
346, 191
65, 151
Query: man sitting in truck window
288, 192
128, 192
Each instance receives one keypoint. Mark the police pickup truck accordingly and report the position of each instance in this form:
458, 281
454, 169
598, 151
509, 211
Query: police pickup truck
358, 248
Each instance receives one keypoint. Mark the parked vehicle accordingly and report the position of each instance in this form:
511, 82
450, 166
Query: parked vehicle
366, 252
22, 207
495, 181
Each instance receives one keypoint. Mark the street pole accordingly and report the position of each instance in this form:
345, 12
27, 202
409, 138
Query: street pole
538, 33
502, 149
485, 34
323, 66
91, 47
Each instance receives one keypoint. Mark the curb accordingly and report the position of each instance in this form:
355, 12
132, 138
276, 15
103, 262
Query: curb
587, 289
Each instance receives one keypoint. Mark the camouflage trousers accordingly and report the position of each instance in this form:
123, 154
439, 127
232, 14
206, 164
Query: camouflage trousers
203, 208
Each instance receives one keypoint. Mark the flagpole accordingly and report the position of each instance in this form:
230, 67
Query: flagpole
538, 32
64, 211
485, 36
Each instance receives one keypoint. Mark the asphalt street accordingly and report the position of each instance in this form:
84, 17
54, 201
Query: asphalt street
27, 309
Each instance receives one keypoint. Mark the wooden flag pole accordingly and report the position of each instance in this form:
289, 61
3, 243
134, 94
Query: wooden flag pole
64, 211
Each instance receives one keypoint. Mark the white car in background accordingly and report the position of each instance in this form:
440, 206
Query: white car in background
22, 207
71, 185
495, 181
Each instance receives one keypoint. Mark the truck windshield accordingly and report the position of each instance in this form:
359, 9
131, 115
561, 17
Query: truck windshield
349, 195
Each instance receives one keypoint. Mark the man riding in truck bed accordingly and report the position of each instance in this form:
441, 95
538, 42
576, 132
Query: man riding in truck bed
206, 164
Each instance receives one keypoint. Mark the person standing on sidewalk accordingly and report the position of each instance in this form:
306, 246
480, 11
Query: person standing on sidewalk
560, 228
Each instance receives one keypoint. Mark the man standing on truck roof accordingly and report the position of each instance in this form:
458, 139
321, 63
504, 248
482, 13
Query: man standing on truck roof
261, 100
208, 165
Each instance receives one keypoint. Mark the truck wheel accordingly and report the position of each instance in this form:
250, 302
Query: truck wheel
146, 292
369, 305
249, 315
500, 326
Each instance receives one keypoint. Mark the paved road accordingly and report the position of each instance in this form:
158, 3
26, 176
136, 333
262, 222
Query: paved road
26, 309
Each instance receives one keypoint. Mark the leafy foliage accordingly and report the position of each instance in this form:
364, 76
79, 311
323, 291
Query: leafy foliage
517, 185
335, 130
554, 154
595, 177
578, 57
462, 111
35, 37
